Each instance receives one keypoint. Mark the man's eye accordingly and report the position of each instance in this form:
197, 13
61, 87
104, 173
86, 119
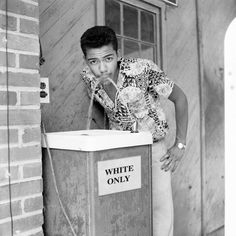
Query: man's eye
108, 59
94, 62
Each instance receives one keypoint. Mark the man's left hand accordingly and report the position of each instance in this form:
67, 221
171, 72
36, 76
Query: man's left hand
172, 158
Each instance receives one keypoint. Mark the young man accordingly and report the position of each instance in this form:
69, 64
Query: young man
136, 100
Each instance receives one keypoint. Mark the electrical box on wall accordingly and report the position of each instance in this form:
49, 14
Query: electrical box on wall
44, 90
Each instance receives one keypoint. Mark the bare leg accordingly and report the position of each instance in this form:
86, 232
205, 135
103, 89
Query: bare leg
161, 193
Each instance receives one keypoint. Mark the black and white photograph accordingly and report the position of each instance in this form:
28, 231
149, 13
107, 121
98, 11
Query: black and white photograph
117, 117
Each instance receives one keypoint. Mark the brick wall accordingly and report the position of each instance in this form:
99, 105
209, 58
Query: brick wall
24, 115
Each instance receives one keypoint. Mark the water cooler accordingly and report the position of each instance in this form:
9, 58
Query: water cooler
104, 182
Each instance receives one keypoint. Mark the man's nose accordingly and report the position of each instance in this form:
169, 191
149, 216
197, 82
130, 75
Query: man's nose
103, 67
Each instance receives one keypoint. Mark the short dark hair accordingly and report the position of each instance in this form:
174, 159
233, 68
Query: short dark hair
97, 37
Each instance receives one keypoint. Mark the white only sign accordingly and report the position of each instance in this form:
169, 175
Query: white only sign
119, 175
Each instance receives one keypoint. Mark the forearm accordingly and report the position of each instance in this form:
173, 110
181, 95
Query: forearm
176, 152
181, 117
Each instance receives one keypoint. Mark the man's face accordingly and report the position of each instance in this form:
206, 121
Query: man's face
103, 62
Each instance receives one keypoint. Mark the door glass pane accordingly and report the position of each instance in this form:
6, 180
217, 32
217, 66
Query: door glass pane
147, 52
131, 48
130, 22
138, 30
147, 27
112, 16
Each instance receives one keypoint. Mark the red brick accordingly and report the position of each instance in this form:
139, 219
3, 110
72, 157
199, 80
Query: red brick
14, 171
3, 171
38, 234
12, 98
19, 42
5, 209
21, 154
31, 134
20, 117
11, 22
33, 204
29, 98
11, 57
32, 170
19, 7
21, 225
20, 79
13, 136
29, 26
29, 62
21, 189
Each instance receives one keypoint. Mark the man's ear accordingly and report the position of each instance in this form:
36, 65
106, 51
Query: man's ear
85, 61
119, 53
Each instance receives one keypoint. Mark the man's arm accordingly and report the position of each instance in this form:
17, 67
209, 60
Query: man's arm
179, 99
174, 154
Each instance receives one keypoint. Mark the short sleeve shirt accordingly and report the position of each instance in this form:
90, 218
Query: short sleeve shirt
140, 84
